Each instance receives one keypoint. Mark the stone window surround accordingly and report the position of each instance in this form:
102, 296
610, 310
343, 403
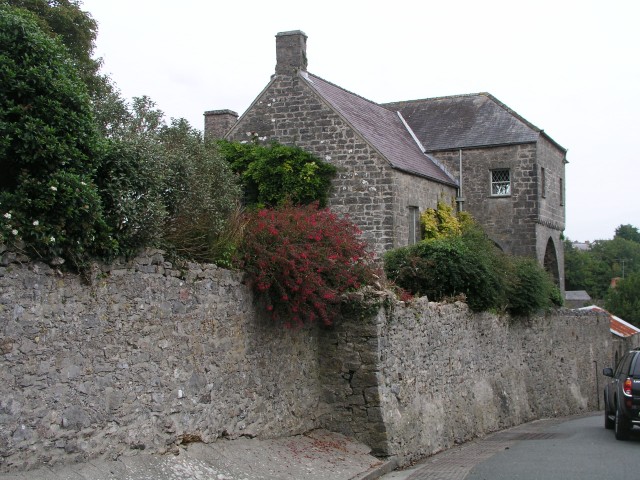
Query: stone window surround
497, 182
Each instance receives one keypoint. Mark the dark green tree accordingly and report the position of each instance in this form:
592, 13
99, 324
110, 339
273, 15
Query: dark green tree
49, 146
628, 232
624, 299
74, 28
586, 271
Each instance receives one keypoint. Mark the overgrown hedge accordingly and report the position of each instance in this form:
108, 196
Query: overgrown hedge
275, 174
460, 260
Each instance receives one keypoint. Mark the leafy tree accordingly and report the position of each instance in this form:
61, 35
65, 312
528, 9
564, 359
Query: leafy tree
74, 28
621, 255
585, 271
49, 147
274, 174
65, 21
594, 269
628, 232
624, 299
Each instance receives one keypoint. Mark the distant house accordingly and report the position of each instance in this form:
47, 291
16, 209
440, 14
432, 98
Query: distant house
582, 246
396, 160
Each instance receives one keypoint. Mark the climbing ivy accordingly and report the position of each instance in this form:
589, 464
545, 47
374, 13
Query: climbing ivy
274, 174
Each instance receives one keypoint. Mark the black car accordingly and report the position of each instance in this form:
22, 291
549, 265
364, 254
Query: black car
622, 395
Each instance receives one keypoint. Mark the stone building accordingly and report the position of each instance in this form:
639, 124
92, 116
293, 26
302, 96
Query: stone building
396, 160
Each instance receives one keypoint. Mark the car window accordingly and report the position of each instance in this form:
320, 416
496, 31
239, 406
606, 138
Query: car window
636, 366
623, 366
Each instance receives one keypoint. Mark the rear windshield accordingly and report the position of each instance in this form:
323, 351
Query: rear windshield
635, 365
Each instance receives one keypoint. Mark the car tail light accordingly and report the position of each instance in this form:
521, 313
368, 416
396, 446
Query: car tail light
626, 388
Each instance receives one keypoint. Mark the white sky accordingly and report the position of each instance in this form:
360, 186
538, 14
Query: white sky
571, 67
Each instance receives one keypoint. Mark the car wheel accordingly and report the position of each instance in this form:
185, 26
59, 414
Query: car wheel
609, 423
621, 427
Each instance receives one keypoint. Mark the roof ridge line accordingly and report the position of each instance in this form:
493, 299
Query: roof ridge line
344, 89
443, 97
439, 164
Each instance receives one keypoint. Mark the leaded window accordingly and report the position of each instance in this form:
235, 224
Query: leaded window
500, 182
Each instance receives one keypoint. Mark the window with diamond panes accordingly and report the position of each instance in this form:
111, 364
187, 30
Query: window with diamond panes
500, 182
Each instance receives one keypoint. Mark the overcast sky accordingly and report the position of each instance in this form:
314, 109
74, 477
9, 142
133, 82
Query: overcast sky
570, 67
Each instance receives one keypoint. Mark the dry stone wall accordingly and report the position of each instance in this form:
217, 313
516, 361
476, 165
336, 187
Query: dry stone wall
146, 357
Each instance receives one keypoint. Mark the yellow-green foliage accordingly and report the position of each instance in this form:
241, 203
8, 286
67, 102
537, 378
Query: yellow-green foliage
443, 221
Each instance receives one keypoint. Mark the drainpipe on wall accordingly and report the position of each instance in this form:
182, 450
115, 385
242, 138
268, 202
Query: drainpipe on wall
460, 199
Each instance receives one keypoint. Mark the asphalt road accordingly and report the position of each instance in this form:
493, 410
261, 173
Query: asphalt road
577, 449
556, 449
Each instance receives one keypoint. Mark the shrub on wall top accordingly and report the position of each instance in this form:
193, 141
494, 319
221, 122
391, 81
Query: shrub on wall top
274, 174
457, 258
300, 260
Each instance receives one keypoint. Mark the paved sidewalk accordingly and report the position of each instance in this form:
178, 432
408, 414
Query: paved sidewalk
456, 462
317, 455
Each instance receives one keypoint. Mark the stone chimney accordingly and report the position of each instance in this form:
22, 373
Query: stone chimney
291, 52
218, 122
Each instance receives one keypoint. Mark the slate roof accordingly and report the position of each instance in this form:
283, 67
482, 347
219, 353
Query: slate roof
465, 121
577, 295
382, 128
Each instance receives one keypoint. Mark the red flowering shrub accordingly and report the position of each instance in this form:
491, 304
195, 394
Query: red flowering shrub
299, 260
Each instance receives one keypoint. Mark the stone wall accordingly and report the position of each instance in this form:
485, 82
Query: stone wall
527, 222
147, 357
291, 113
510, 220
415, 192
419, 378
142, 360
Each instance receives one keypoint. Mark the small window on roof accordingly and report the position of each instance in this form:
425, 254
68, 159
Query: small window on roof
501, 182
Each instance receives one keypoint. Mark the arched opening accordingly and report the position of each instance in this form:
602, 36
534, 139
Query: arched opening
498, 246
551, 261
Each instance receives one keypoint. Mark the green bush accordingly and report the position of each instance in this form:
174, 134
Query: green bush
202, 197
163, 185
530, 288
443, 268
624, 299
459, 259
274, 174
49, 148
130, 182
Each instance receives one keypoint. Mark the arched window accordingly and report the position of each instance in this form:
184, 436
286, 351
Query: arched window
551, 261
